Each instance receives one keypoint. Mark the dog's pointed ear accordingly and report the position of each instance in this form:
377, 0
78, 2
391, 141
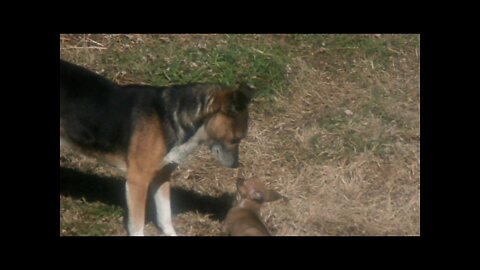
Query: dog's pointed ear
214, 102
242, 96
272, 195
231, 102
247, 91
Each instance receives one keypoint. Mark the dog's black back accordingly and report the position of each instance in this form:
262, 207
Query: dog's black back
94, 112
99, 114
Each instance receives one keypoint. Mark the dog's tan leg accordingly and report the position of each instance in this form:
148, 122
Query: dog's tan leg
147, 150
136, 201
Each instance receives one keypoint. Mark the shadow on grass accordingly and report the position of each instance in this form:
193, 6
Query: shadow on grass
111, 191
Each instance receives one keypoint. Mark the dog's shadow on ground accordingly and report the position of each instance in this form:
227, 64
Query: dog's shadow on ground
111, 191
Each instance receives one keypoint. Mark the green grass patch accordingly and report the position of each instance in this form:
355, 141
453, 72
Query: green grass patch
343, 136
260, 60
346, 54
88, 218
260, 64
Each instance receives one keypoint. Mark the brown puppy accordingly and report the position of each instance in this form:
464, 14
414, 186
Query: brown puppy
244, 218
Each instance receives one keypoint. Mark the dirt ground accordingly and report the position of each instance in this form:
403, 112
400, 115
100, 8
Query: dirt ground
341, 141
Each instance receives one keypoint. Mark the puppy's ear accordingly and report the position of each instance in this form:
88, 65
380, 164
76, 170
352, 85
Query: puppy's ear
272, 195
257, 196
242, 190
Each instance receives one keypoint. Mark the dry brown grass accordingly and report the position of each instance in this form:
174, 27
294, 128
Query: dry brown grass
295, 147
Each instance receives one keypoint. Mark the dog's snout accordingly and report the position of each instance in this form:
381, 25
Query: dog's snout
227, 157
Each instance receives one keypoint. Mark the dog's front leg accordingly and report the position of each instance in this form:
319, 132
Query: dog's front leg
163, 209
161, 195
137, 190
145, 153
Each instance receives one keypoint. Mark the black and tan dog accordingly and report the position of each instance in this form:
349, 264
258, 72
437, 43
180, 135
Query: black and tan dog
146, 131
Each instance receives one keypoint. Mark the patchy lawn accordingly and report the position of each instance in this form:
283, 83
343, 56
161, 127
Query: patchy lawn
335, 128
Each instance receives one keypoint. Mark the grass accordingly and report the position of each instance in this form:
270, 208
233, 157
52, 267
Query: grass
163, 60
335, 128
80, 217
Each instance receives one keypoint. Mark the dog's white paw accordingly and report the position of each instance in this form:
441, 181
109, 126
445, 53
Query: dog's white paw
137, 234
169, 232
